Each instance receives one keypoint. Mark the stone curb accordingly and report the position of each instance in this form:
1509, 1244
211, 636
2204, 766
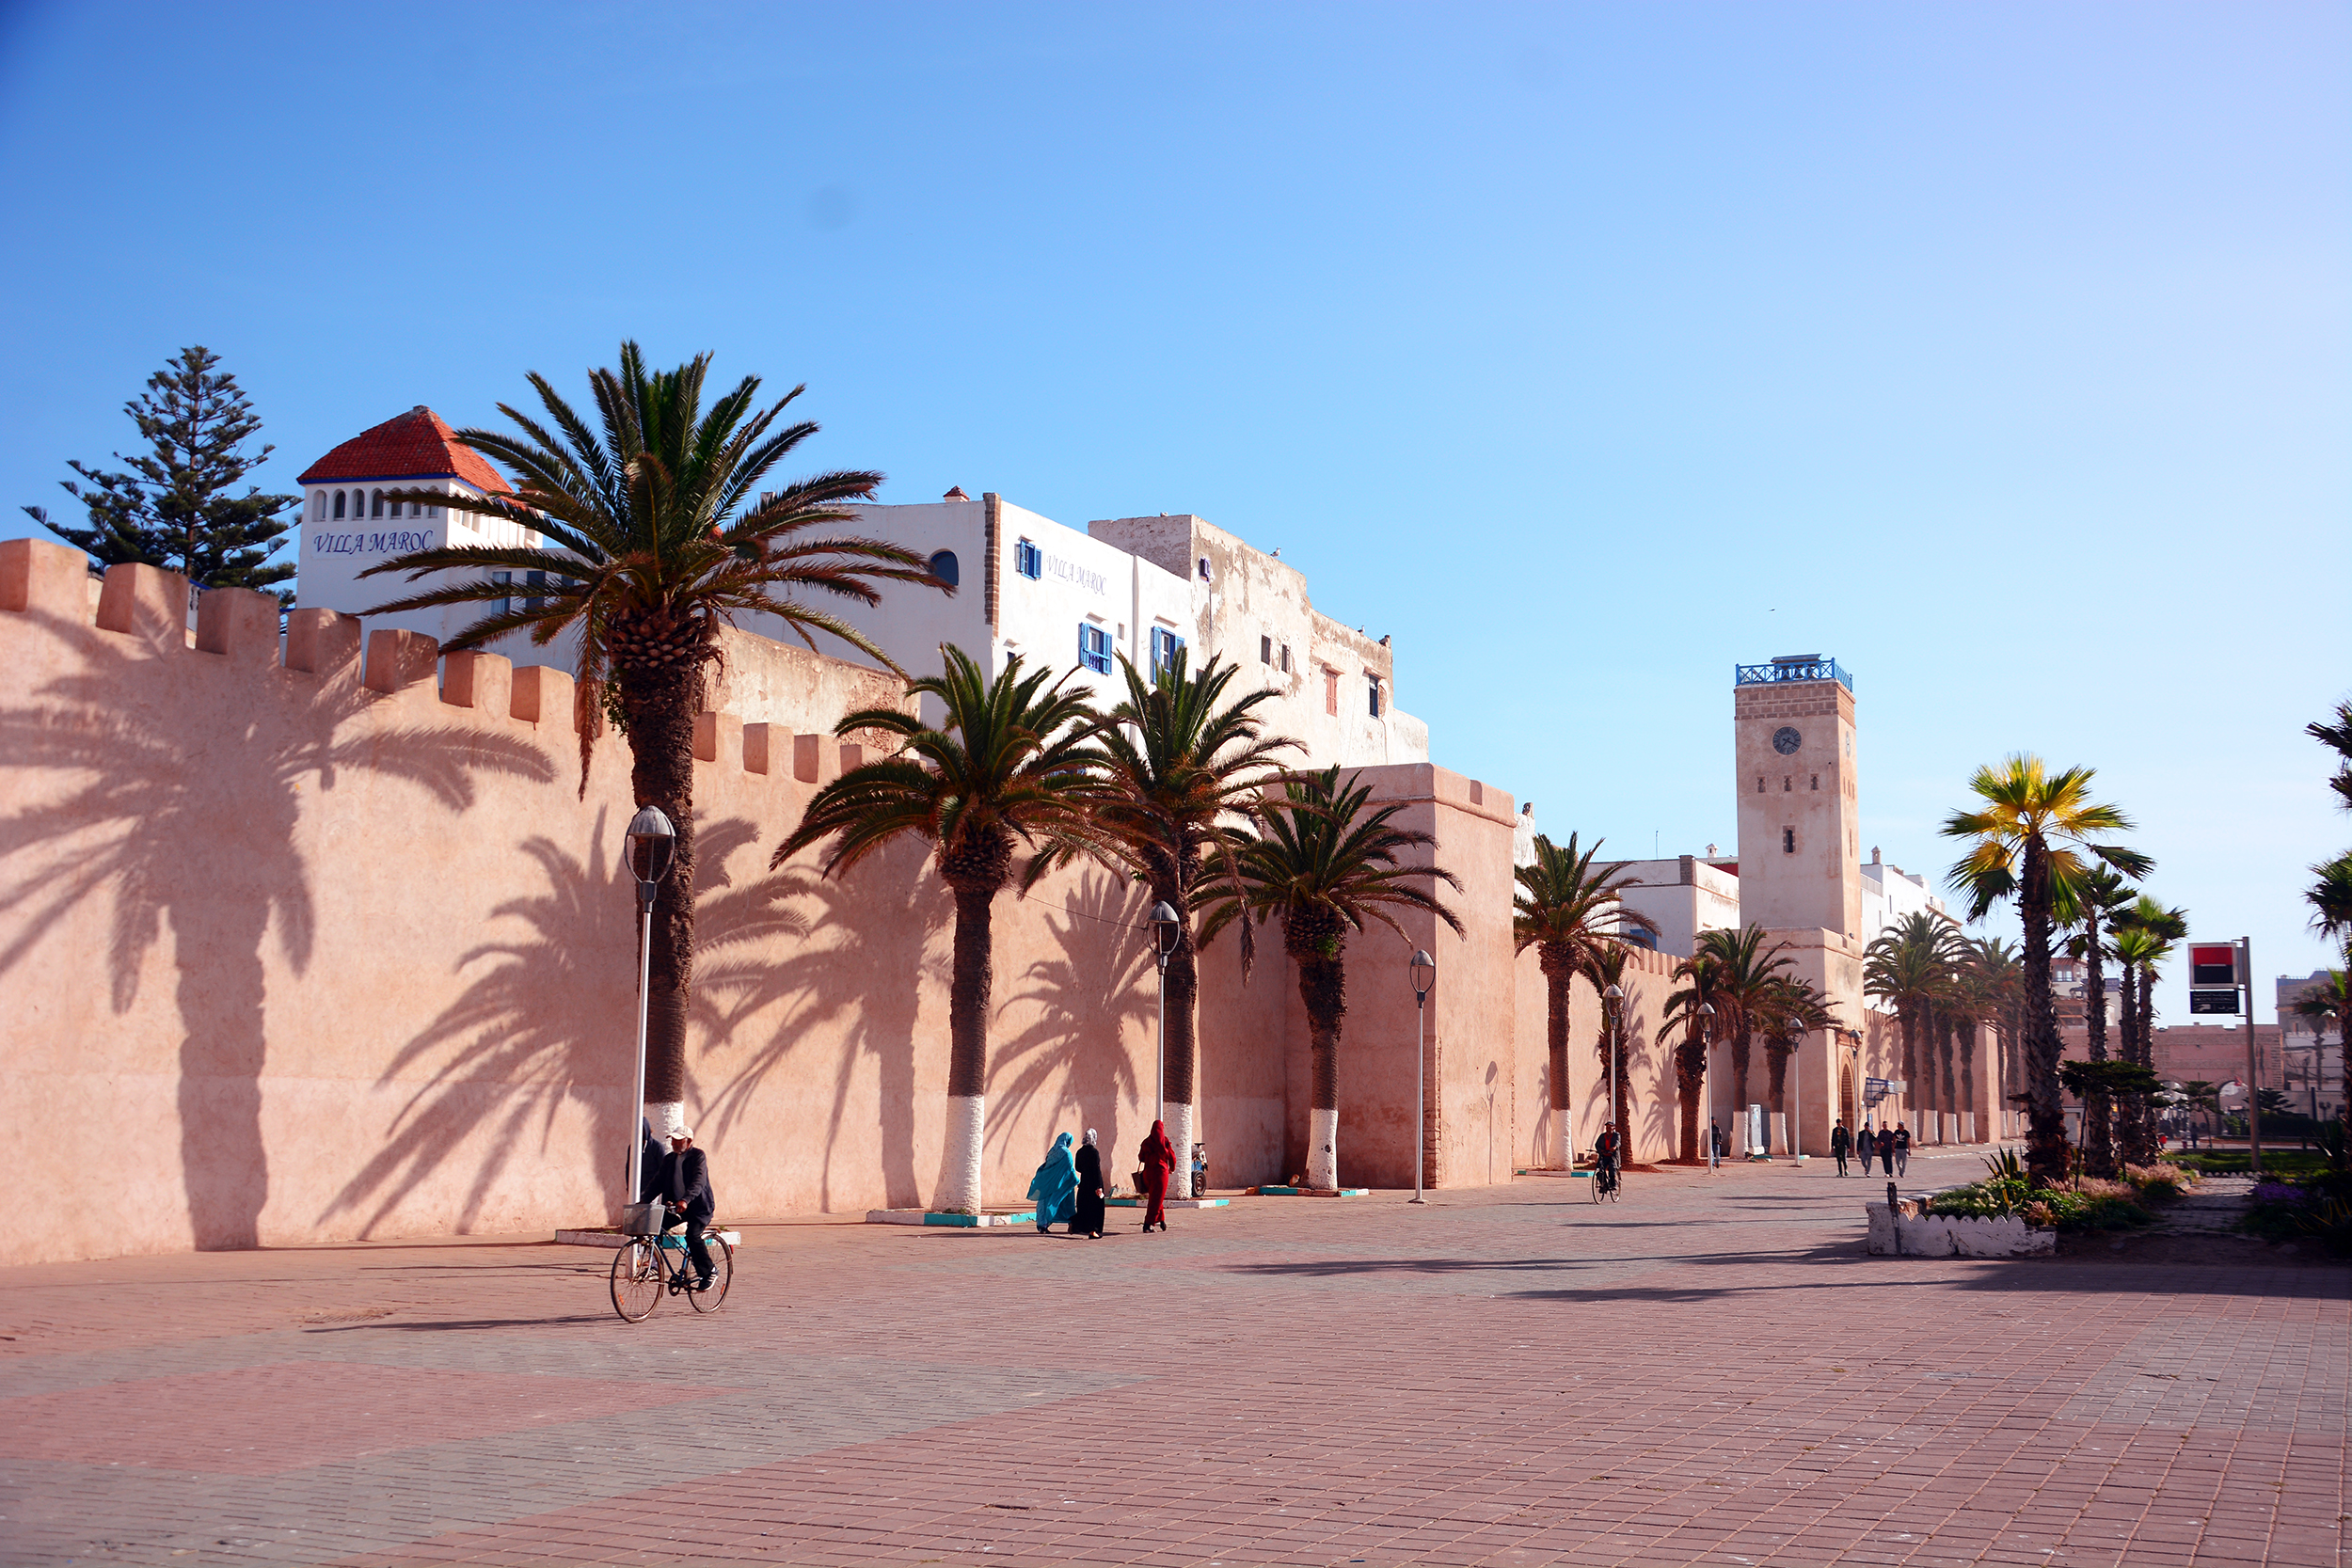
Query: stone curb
962, 1222
609, 1237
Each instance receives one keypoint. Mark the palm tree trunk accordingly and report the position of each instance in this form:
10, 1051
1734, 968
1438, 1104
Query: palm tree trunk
1947, 1029
2098, 1109
1777, 1065
1968, 1072
967, 1049
1323, 987
2045, 1140
1558, 978
1690, 1071
1623, 1107
1179, 1083
1907, 1013
660, 701
1742, 1043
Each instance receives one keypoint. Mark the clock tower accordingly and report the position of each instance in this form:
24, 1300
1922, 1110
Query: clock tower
1793, 735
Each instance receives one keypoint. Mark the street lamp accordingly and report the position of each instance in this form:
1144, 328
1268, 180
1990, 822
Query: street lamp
1614, 1000
1706, 1076
1167, 930
1424, 971
650, 849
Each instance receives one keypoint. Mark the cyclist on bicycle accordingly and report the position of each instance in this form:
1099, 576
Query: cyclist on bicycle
1605, 1150
685, 1187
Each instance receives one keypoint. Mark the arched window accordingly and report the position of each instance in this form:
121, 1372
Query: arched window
379, 505
339, 503
943, 564
318, 506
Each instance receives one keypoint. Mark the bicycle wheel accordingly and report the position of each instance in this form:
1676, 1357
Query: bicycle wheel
636, 1281
1599, 1176
722, 1276
1616, 1186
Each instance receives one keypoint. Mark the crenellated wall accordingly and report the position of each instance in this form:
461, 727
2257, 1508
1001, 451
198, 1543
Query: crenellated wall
318, 937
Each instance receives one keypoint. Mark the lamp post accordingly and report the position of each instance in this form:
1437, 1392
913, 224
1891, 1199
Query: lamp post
1707, 1077
1424, 971
649, 848
1165, 931
1614, 1000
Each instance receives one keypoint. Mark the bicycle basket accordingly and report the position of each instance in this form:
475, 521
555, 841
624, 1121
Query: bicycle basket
641, 1219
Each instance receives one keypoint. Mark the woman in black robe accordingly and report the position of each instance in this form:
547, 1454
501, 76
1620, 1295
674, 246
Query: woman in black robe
1088, 1219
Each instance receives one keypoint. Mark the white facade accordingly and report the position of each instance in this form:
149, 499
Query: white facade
335, 550
1890, 895
1684, 897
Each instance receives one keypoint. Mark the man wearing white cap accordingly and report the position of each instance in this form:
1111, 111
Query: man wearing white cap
685, 1187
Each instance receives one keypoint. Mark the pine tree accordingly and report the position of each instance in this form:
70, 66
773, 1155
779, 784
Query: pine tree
174, 509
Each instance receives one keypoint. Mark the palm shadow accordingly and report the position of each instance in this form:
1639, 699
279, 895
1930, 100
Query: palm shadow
869, 980
154, 777
1083, 995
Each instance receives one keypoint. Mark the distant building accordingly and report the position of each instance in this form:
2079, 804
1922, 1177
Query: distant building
2315, 1059
1684, 897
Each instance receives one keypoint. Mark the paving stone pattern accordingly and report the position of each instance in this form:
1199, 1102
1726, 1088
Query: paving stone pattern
1710, 1371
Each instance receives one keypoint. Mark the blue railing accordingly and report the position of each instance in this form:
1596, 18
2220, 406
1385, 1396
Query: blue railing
1792, 670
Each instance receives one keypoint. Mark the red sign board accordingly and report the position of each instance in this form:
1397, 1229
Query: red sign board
2212, 964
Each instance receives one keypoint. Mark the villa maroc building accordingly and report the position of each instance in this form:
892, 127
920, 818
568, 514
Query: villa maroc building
330, 925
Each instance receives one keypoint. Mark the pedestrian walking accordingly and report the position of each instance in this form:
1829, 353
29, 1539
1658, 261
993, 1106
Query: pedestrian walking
1841, 1143
1903, 1148
1159, 1157
1089, 1220
1865, 1145
1055, 1187
1886, 1150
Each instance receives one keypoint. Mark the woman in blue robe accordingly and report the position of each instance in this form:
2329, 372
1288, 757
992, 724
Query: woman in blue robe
1055, 1187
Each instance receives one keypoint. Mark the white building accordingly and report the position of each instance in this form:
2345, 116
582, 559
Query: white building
1684, 897
1067, 598
349, 524
1891, 895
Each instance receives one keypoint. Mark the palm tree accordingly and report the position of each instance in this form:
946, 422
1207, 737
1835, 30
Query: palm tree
1996, 980
1693, 1010
1750, 973
2154, 930
1010, 762
1909, 967
2338, 738
2330, 899
1328, 863
1792, 1010
1185, 774
2032, 838
658, 536
1568, 913
1605, 970
2331, 1000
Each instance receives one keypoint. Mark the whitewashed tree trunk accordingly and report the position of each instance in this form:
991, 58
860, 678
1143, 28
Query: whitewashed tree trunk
667, 1116
959, 1175
1180, 1120
1323, 1149
1568, 1138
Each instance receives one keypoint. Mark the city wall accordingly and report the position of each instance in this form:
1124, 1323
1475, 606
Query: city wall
318, 937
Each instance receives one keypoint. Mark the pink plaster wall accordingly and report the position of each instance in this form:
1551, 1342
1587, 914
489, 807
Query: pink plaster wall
321, 939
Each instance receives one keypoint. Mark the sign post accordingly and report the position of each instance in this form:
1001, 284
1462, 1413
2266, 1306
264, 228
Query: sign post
2217, 970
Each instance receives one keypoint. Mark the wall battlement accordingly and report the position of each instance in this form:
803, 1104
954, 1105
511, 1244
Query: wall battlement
145, 605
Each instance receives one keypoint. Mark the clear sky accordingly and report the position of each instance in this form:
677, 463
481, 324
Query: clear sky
2000, 352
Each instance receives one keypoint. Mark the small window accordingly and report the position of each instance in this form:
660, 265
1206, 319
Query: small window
1166, 644
1330, 692
1204, 568
1788, 841
1759, 783
432, 511
1374, 682
504, 580
943, 564
1028, 559
1786, 784
1265, 650
1817, 781
318, 506
1094, 647
1286, 659
534, 579
339, 504
378, 507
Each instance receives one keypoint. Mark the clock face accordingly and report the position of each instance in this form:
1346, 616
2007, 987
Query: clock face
1786, 740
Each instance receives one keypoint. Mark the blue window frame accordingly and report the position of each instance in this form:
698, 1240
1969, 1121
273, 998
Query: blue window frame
1028, 559
1094, 648
1164, 645
944, 568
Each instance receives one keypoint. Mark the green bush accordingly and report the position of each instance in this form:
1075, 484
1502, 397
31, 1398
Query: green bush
2232, 1162
2073, 1209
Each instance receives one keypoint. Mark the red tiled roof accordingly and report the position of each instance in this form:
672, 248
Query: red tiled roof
415, 445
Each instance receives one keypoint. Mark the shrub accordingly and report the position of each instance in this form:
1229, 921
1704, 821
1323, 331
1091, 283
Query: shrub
2161, 1179
2111, 1208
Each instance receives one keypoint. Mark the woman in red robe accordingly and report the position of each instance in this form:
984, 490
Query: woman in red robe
1159, 1159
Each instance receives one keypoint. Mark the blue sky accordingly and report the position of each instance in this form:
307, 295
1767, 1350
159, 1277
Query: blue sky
1999, 351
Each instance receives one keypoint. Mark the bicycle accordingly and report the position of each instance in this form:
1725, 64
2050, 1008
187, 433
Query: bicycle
648, 1267
1606, 1186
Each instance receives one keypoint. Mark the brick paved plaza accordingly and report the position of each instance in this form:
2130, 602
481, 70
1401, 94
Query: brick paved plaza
1711, 1371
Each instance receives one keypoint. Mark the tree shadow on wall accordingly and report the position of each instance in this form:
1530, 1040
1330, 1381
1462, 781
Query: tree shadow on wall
1085, 995
159, 782
866, 981
548, 1015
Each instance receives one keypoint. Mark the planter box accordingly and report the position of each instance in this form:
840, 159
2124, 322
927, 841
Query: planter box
933, 1216
1312, 1192
1910, 1235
